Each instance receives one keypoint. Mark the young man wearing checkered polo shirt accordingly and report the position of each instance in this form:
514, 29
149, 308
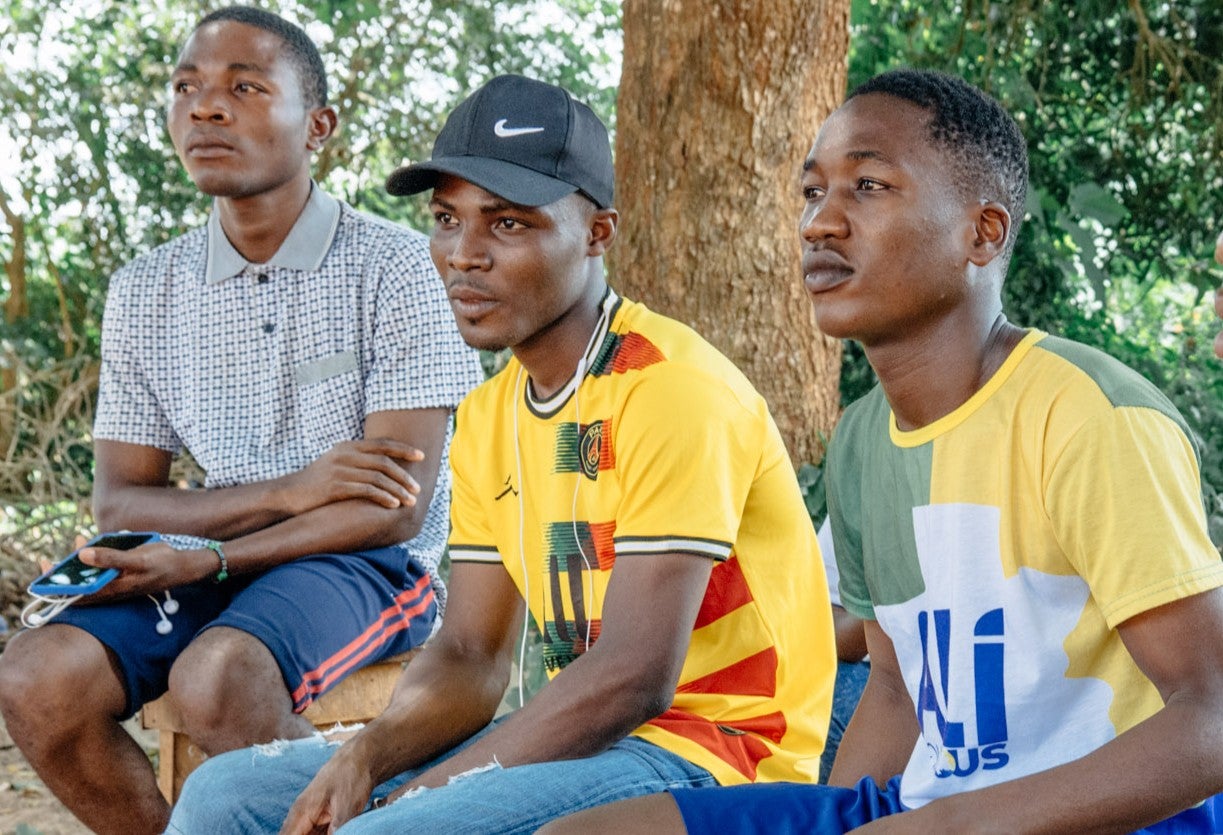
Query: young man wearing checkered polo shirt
306, 357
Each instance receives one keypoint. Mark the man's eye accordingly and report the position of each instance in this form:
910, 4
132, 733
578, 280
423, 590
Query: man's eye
510, 224
812, 193
441, 218
867, 184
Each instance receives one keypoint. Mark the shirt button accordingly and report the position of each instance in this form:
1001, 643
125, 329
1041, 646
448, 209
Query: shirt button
268, 327
262, 278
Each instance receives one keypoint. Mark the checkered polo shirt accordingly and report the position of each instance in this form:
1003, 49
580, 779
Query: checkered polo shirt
258, 369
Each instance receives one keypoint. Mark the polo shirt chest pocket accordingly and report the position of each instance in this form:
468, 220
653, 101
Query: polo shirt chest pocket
330, 401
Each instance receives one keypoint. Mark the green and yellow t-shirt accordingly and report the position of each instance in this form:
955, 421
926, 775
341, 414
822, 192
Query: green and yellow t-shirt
1000, 547
664, 447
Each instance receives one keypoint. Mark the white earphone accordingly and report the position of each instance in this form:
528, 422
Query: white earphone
170, 607
578, 374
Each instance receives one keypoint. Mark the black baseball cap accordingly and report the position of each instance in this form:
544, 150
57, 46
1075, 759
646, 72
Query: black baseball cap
523, 140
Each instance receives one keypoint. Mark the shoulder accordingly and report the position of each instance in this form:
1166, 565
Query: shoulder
189, 250
1078, 385
669, 360
378, 232
377, 244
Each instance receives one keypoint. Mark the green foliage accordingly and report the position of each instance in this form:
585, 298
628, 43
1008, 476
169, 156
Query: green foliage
1122, 107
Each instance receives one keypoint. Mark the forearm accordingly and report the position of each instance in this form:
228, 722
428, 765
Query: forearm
221, 513
880, 737
354, 525
1166, 764
442, 699
609, 697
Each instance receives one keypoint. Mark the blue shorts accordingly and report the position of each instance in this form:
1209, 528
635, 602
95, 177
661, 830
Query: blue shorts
784, 808
321, 616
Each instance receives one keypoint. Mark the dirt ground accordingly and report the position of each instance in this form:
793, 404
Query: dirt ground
26, 806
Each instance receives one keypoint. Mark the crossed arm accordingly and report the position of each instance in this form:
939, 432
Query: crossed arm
1165, 764
451, 690
360, 494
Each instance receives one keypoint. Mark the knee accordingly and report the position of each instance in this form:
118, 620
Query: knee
197, 687
54, 680
20, 680
228, 690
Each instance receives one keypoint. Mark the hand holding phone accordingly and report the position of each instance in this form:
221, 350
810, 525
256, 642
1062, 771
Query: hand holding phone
73, 577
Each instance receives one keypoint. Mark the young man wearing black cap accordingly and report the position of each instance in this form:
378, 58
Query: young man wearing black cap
619, 479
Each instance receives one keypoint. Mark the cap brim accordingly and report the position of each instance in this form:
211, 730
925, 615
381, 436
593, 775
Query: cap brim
505, 179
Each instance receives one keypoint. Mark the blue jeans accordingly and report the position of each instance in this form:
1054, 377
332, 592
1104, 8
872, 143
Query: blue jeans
251, 790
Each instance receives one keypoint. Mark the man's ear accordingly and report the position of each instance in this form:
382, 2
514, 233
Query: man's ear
603, 224
322, 124
990, 230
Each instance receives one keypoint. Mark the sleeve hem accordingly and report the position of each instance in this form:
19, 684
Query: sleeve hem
1183, 585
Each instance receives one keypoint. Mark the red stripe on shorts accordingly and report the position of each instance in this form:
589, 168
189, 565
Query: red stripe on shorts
395, 618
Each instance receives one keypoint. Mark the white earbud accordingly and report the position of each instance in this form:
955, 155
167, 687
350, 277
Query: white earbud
164, 627
42, 608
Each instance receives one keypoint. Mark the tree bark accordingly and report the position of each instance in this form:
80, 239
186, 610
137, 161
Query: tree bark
719, 101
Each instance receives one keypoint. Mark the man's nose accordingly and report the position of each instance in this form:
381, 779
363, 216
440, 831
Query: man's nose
468, 252
823, 219
209, 105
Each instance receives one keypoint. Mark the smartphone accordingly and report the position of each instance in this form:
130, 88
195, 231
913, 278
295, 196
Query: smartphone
71, 576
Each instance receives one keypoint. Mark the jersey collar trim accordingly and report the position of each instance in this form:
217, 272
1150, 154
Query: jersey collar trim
549, 407
946, 423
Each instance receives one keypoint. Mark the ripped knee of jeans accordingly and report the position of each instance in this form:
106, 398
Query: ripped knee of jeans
278, 747
339, 732
472, 772
383, 802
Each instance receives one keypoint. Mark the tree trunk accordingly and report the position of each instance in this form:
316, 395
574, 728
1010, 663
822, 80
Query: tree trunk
15, 307
719, 101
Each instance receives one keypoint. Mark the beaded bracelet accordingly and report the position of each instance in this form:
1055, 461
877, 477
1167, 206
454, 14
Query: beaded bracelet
215, 547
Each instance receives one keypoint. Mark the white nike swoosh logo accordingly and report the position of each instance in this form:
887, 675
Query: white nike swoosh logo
501, 130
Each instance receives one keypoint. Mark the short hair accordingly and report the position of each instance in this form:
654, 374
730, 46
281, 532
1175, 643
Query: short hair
302, 52
982, 140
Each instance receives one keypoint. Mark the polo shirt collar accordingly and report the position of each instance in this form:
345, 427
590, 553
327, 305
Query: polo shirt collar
304, 248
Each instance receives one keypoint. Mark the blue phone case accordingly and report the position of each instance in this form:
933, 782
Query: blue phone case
71, 576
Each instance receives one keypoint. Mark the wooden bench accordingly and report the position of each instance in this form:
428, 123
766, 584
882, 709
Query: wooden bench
358, 698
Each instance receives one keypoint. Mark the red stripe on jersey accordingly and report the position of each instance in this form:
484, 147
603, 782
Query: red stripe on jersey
607, 455
735, 743
633, 352
603, 534
755, 675
727, 591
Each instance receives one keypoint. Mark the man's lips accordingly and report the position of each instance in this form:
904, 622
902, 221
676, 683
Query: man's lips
208, 147
824, 270
469, 302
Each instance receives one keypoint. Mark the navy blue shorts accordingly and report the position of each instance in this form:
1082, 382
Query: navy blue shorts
785, 808
793, 808
321, 617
